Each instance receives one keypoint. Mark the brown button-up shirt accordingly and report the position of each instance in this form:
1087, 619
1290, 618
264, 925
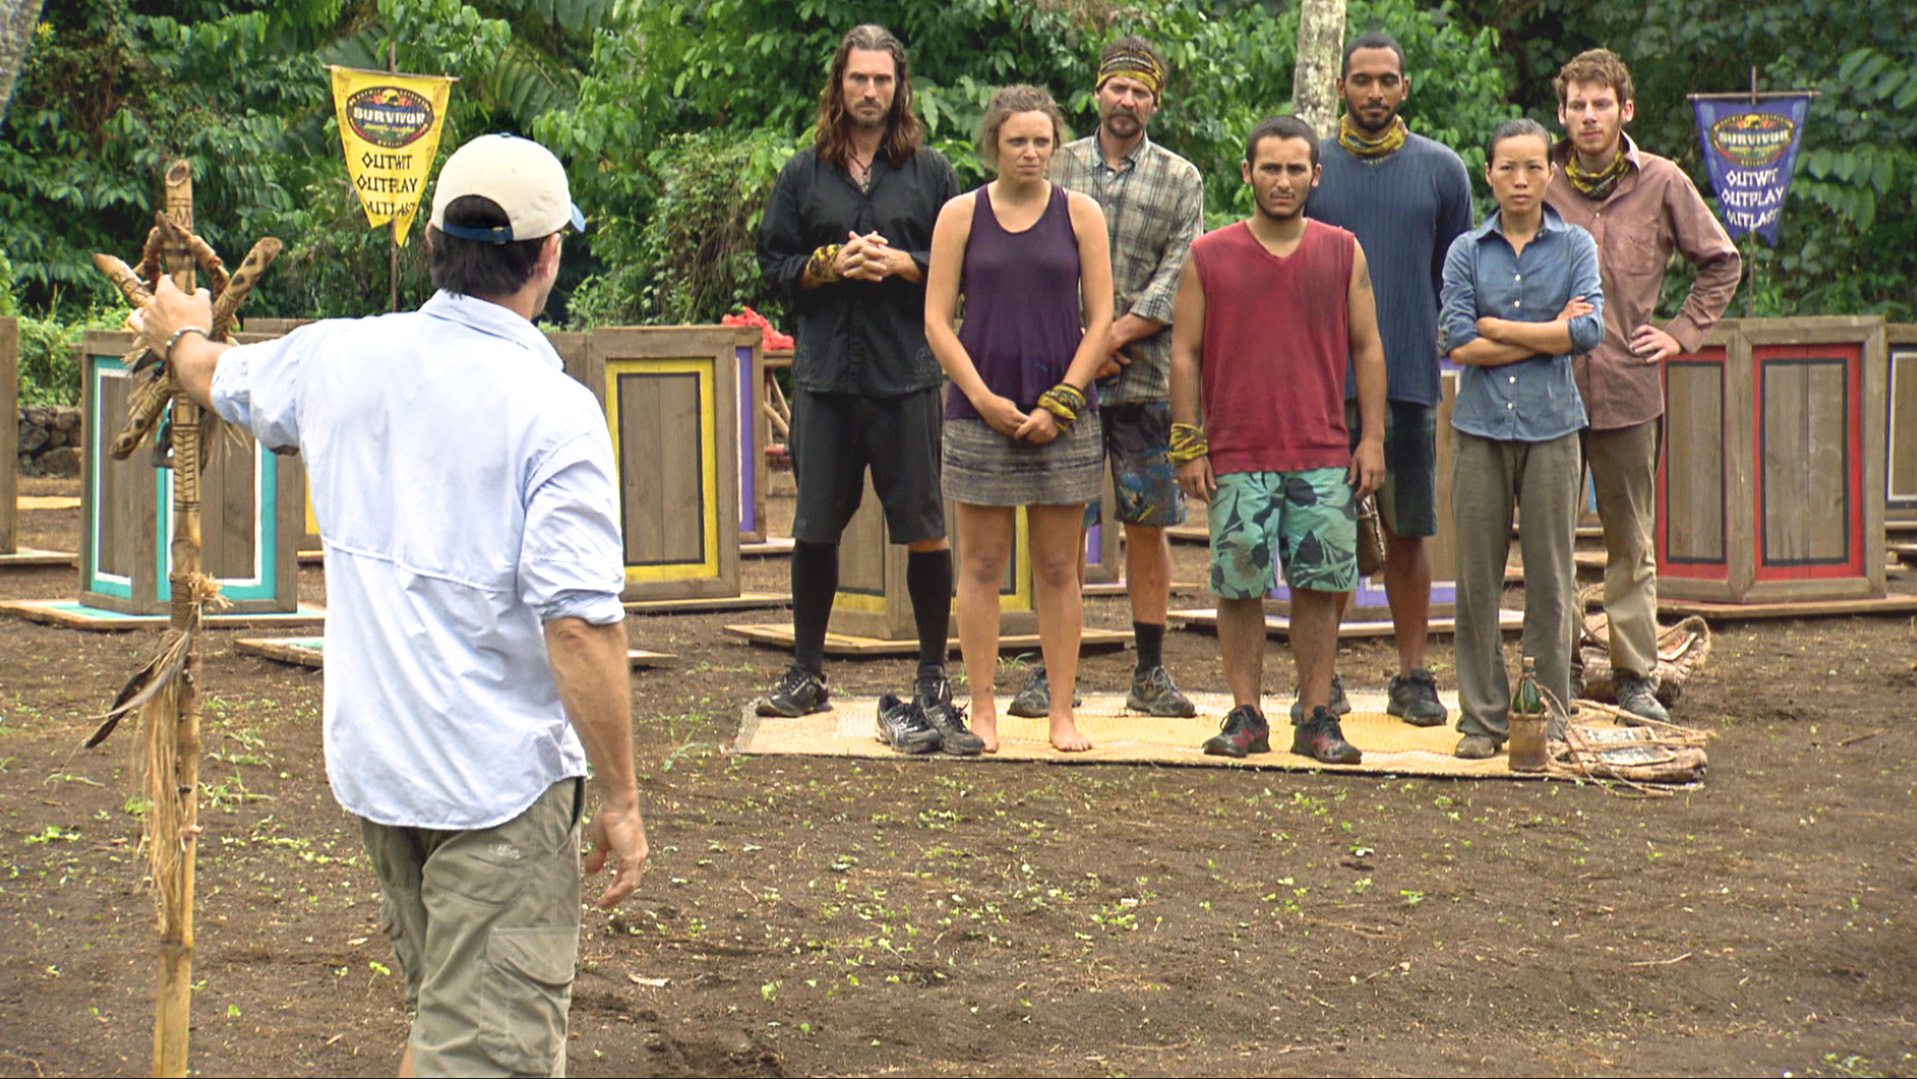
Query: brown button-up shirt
1653, 210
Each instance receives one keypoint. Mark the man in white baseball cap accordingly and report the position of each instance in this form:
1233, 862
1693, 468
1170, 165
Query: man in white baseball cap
475, 642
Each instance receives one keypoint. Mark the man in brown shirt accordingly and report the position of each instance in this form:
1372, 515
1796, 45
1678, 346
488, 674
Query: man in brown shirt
1639, 207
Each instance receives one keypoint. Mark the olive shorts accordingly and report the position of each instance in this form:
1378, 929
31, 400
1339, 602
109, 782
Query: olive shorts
486, 928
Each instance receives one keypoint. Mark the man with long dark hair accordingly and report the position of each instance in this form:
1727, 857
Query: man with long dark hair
846, 238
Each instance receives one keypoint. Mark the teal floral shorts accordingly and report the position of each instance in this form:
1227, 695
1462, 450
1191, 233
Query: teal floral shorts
1308, 521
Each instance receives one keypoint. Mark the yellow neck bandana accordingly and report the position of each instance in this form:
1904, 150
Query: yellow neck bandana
1596, 185
1380, 146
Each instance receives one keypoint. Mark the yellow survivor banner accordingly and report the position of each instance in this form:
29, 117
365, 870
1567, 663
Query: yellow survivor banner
389, 125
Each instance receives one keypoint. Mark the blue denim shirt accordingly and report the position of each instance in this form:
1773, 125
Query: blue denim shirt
1532, 400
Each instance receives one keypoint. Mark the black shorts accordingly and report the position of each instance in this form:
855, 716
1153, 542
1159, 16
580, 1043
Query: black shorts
835, 437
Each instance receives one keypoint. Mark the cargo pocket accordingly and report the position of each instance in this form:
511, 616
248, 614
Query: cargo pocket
528, 987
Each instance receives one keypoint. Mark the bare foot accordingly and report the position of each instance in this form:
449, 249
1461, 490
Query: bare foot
984, 721
1065, 736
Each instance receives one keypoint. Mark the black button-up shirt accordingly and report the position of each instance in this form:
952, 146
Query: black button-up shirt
862, 337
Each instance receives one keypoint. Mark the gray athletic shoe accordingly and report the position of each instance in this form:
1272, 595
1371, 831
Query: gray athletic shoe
799, 693
1478, 747
1636, 696
933, 696
1340, 704
1035, 700
902, 725
1414, 698
1155, 694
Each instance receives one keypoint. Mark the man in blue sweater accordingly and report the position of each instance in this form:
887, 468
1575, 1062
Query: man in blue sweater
1406, 197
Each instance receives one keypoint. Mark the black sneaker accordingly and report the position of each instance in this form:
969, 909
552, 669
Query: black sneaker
902, 725
933, 696
1414, 698
799, 693
1322, 739
1155, 694
1245, 732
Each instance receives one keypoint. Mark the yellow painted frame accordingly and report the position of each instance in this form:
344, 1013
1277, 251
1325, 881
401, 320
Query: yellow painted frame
706, 371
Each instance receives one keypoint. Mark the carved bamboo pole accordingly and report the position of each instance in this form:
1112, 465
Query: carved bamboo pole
172, 1018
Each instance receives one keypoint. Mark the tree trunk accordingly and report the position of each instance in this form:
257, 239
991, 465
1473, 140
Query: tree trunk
1321, 42
17, 21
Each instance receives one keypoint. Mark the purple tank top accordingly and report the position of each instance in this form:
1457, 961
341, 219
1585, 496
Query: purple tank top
1022, 322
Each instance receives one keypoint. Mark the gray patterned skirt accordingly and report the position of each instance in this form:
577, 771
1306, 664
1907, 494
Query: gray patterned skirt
984, 468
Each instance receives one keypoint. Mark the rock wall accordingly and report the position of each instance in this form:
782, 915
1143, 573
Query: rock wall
50, 441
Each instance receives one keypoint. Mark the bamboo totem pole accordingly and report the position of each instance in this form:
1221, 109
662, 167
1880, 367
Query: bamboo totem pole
165, 693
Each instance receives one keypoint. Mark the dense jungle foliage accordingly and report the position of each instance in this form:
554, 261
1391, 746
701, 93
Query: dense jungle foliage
675, 115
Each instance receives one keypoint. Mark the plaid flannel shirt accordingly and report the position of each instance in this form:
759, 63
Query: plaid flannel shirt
1154, 208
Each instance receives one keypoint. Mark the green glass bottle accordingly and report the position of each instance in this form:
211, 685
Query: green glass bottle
1528, 717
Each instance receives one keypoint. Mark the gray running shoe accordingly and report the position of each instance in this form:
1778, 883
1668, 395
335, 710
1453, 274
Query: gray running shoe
1035, 700
933, 697
799, 693
1340, 704
1636, 696
1155, 694
1478, 747
903, 726
1414, 698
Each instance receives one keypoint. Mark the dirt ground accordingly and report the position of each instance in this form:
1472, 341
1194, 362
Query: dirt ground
826, 917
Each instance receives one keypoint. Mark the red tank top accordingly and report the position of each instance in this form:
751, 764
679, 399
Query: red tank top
1277, 335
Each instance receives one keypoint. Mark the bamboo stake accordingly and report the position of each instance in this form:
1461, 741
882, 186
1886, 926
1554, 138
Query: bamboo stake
180, 782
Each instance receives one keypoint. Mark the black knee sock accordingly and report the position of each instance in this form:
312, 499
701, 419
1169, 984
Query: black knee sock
815, 580
1150, 640
928, 580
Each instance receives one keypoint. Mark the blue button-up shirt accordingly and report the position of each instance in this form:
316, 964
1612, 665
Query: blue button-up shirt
1532, 400
465, 491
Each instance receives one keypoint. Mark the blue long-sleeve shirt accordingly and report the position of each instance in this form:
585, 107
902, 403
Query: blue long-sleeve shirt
1533, 400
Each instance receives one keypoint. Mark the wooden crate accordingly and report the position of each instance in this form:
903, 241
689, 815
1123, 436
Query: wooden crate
872, 600
9, 435
1900, 423
1771, 486
671, 397
252, 503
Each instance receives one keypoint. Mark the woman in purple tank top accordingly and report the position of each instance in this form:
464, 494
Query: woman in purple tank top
1021, 429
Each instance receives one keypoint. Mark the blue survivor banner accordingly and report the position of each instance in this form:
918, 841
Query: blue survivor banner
1752, 148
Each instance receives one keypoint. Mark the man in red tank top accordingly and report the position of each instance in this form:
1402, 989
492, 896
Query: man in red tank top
1266, 314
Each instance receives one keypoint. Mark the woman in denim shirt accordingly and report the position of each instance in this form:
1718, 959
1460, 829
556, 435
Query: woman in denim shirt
1521, 294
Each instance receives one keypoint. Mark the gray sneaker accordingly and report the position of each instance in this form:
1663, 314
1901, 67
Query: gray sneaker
902, 725
1414, 698
1636, 696
1478, 747
1155, 694
1340, 704
1035, 700
933, 696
